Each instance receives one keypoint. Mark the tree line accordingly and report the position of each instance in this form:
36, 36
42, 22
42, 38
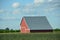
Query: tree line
7, 30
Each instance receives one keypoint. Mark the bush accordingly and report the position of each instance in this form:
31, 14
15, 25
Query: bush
57, 29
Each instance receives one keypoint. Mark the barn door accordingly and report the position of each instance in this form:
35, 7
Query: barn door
23, 30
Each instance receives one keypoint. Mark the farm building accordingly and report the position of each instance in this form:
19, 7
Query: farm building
35, 24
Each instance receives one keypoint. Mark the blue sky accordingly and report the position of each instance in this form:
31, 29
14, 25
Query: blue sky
12, 11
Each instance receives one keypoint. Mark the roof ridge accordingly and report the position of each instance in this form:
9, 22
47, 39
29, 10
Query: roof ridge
33, 16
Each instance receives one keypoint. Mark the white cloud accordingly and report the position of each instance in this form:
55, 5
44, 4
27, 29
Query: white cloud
9, 18
47, 10
28, 8
50, 0
50, 8
2, 11
16, 11
38, 1
16, 5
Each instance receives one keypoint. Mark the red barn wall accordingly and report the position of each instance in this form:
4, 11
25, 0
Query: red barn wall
24, 27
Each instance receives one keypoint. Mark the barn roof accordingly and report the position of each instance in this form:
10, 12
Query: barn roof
37, 23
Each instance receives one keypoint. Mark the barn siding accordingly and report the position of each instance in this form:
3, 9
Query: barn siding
24, 27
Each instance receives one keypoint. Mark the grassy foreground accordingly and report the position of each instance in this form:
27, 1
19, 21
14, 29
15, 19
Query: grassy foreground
30, 36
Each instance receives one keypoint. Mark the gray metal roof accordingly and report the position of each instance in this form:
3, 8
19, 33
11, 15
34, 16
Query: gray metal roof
38, 23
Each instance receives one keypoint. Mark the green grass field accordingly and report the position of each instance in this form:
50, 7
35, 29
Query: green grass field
30, 36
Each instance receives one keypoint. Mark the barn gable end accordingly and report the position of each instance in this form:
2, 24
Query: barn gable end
24, 27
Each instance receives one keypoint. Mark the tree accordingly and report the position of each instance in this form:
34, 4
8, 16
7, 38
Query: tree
7, 30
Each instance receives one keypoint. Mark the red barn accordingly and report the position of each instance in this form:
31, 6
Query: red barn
35, 24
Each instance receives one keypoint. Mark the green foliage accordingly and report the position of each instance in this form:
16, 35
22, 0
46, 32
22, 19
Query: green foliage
7, 30
56, 29
2, 31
